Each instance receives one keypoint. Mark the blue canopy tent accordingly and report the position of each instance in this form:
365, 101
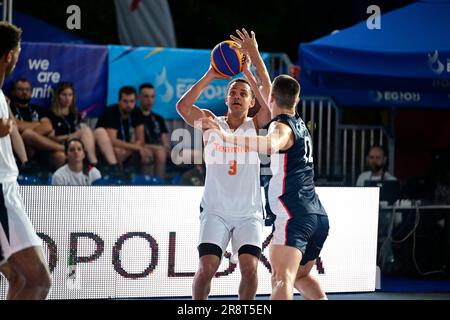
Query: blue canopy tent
405, 63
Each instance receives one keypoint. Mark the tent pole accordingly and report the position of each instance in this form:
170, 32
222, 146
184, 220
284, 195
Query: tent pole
7, 10
4, 4
10, 6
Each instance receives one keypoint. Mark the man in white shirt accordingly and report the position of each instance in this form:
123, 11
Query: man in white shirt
75, 172
376, 159
21, 256
231, 207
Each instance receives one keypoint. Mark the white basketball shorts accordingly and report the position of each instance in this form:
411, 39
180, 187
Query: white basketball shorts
16, 231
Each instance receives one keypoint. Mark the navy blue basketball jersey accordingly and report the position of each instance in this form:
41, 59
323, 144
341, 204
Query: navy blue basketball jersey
292, 180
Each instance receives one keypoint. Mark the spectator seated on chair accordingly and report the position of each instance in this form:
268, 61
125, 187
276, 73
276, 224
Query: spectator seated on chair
155, 129
376, 160
76, 172
66, 121
121, 130
33, 123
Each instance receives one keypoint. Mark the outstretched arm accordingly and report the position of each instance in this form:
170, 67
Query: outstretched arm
279, 137
186, 107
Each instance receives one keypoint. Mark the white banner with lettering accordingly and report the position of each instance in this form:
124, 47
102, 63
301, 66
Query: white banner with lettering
129, 241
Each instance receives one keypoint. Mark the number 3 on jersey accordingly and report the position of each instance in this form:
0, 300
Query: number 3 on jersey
233, 167
308, 150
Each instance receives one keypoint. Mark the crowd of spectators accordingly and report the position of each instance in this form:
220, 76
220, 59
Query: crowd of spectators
128, 139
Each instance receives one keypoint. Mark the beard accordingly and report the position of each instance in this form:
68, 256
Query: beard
22, 100
377, 167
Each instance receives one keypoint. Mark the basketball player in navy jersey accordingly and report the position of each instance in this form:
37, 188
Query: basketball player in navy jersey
301, 224
231, 207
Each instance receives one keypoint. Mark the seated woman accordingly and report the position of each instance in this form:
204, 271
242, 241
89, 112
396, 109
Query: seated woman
76, 172
67, 124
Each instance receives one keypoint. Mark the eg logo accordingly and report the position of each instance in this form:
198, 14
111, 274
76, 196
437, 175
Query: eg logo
433, 62
161, 80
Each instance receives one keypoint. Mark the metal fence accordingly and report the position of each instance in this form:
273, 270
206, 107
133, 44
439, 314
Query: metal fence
340, 150
356, 141
322, 118
6, 8
279, 64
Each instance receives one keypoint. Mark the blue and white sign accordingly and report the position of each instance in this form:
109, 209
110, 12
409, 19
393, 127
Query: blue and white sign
171, 71
45, 65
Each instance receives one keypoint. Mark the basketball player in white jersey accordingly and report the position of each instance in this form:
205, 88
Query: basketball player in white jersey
21, 255
231, 207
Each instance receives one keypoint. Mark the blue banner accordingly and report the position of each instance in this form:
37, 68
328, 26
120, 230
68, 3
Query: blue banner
405, 63
171, 71
47, 64
386, 92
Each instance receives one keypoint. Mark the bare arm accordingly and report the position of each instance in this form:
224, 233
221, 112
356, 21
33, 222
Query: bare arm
185, 106
6, 125
17, 142
18, 146
263, 115
165, 140
279, 137
116, 142
139, 135
23, 125
61, 138
248, 45
45, 126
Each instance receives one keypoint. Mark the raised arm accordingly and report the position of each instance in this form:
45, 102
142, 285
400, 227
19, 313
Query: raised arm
261, 84
263, 115
186, 105
249, 46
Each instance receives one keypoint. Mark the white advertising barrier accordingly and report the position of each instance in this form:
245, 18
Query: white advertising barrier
119, 242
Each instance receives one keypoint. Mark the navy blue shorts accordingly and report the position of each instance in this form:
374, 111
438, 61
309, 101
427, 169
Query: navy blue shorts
306, 232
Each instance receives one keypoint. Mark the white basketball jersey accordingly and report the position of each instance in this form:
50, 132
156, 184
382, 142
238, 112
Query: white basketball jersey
8, 167
232, 185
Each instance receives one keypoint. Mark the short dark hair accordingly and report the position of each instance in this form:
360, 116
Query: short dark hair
379, 147
68, 142
127, 90
85, 160
146, 85
20, 80
10, 35
242, 80
285, 91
